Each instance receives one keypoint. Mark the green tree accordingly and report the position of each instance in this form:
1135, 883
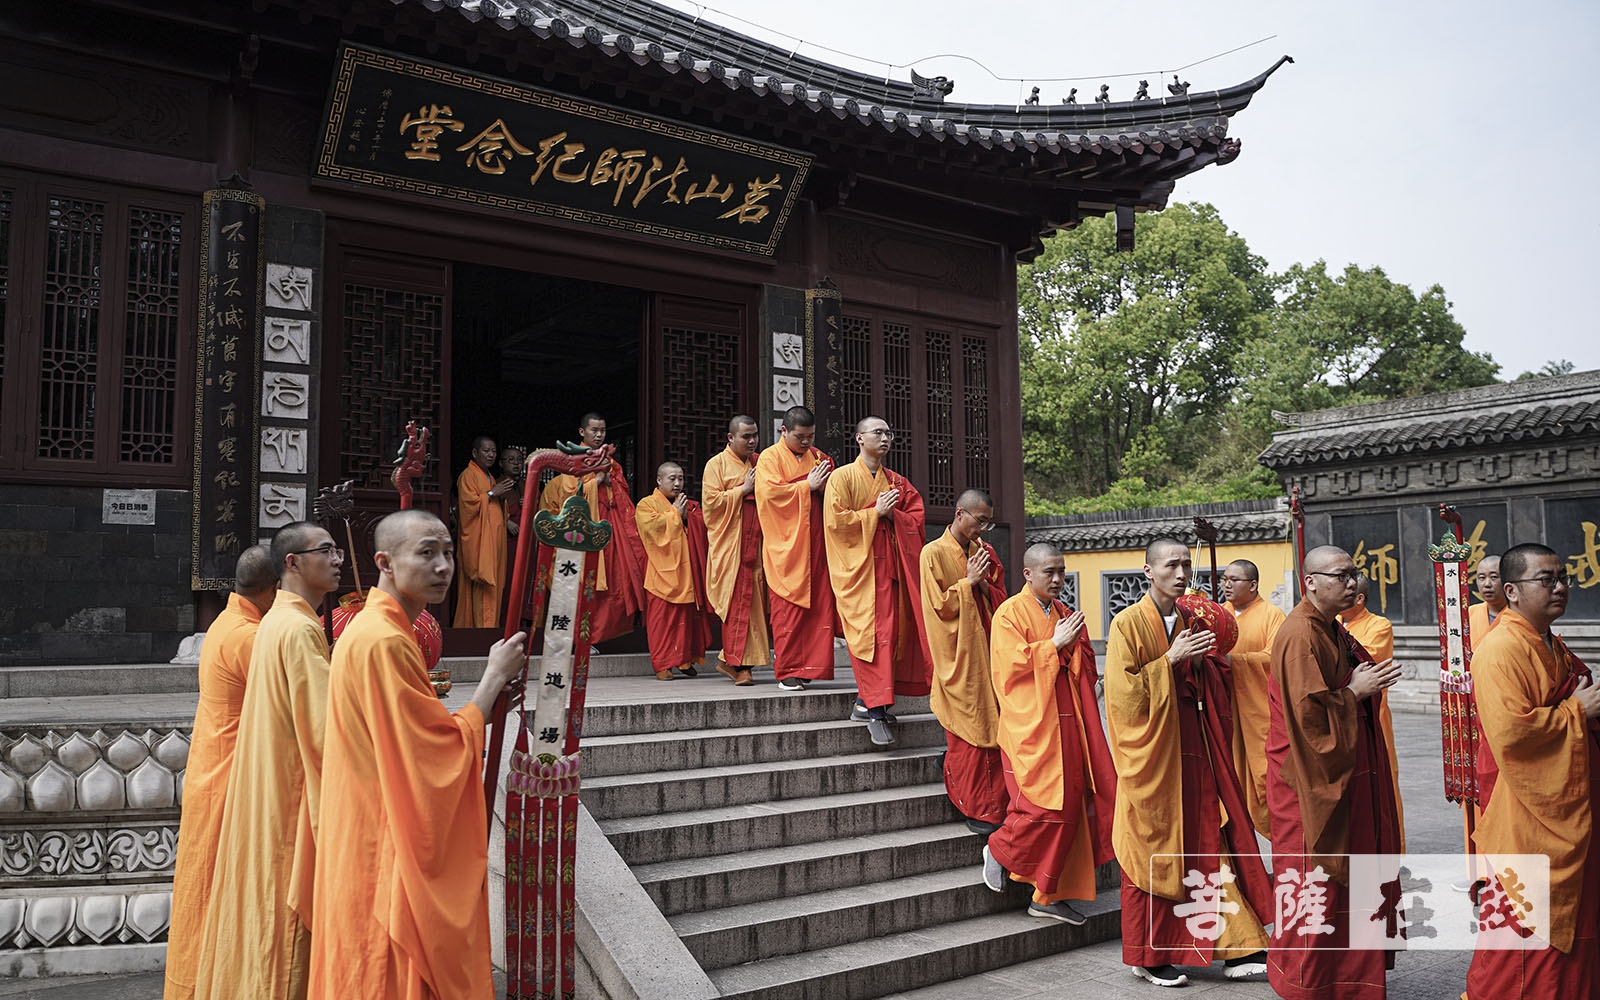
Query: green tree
1124, 354
1549, 369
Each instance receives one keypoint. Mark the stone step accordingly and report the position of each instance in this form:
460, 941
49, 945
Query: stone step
617, 796
683, 885
878, 966
735, 935
702, 749
644, 840
764, 706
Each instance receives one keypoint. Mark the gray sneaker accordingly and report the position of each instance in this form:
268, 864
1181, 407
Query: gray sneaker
878, 730
1060, 910
994, 873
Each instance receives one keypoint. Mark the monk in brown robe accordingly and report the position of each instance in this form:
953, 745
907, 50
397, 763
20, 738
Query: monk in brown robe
962, 583
790, 478
1058, 770
619, 577
402, 901
736, 583
224, 665
1539, 777
1258, 622
1375, 633
255, 942
1328, 786
1182, 831
673, 533
480, 505
874, 525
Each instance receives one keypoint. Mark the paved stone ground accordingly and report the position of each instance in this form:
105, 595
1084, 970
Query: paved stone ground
1432, 826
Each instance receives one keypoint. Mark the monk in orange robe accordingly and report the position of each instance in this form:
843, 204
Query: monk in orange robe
619, 576
1258, 622
402, 899
1058, 769
1181, 830
255, 940
1375, 633
790, 478
736, 584
674, 536
224, 665
874, 526
1539, 776
962, 583
1327, 784
480, 505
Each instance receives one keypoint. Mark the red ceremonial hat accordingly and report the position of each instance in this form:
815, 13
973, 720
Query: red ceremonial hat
1213, 617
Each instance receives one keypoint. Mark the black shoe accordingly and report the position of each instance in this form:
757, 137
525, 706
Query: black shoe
1161, 975
1060, 910
981, 828
861, 713
1245, 965
792, 684
878, 731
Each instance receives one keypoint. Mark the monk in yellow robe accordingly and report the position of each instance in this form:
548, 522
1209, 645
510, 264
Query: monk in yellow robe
480, 506
1258, 622
962, 583
224, 665
790, 478
874, 526
736, 585
619, 575
673, 533
1375, 633
1328, 788
1058, 770
255, 941
402, 900
1539, 781
1181, 830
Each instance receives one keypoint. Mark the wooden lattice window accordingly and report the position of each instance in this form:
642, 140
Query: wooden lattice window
394, 340
932, 386
700, 384
97, 291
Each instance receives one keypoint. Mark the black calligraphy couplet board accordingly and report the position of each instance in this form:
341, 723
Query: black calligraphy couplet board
1373, 540
232, 263
396, 123
1572, 528
824, 371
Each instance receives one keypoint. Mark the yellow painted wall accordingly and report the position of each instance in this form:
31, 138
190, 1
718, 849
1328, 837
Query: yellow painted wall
1274, 559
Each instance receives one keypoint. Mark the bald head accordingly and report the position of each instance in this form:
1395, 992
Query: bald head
1363, 585
1039, 554
254, 575
740, 420
395, 530
1321, 558
1330, 580
666, 467
973, 498
1157, 550
296, 536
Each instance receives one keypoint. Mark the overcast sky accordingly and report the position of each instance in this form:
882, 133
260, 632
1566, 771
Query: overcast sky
1448, 143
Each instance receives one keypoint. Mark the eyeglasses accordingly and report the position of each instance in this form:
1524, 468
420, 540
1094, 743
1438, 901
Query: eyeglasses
1548, 582
881, 432
1348, 576
985, 524
331, 551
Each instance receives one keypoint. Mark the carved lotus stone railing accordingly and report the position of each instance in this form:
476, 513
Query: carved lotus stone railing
88, 834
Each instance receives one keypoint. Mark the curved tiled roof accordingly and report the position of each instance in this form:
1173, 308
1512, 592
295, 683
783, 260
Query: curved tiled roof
647, 33
1470, 430
1236, 522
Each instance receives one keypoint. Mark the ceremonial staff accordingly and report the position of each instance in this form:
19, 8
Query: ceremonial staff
1297, 512
1207, 532
1458, 716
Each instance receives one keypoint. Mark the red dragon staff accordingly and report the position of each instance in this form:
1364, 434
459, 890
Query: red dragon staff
544, 766
1458, 717
1297, 512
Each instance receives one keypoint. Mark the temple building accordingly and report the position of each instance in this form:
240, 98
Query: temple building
242, 245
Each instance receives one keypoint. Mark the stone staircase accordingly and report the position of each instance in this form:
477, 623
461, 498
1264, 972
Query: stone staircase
793, 859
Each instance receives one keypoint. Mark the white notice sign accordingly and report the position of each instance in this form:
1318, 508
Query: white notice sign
128, 507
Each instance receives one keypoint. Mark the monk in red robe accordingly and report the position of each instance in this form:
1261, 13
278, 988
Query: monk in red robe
224, 665
875, 526
1058, 768
1539, 781
790, 478
402, 901
962, 584
1328, 786
1182, 830
480, 505
736, 582
674, 536
619, 577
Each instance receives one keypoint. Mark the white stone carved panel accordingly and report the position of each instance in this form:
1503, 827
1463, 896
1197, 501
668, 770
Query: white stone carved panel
285, 395
289, 287
788, 351
283, 450
787, 392
280, 504
286, 341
